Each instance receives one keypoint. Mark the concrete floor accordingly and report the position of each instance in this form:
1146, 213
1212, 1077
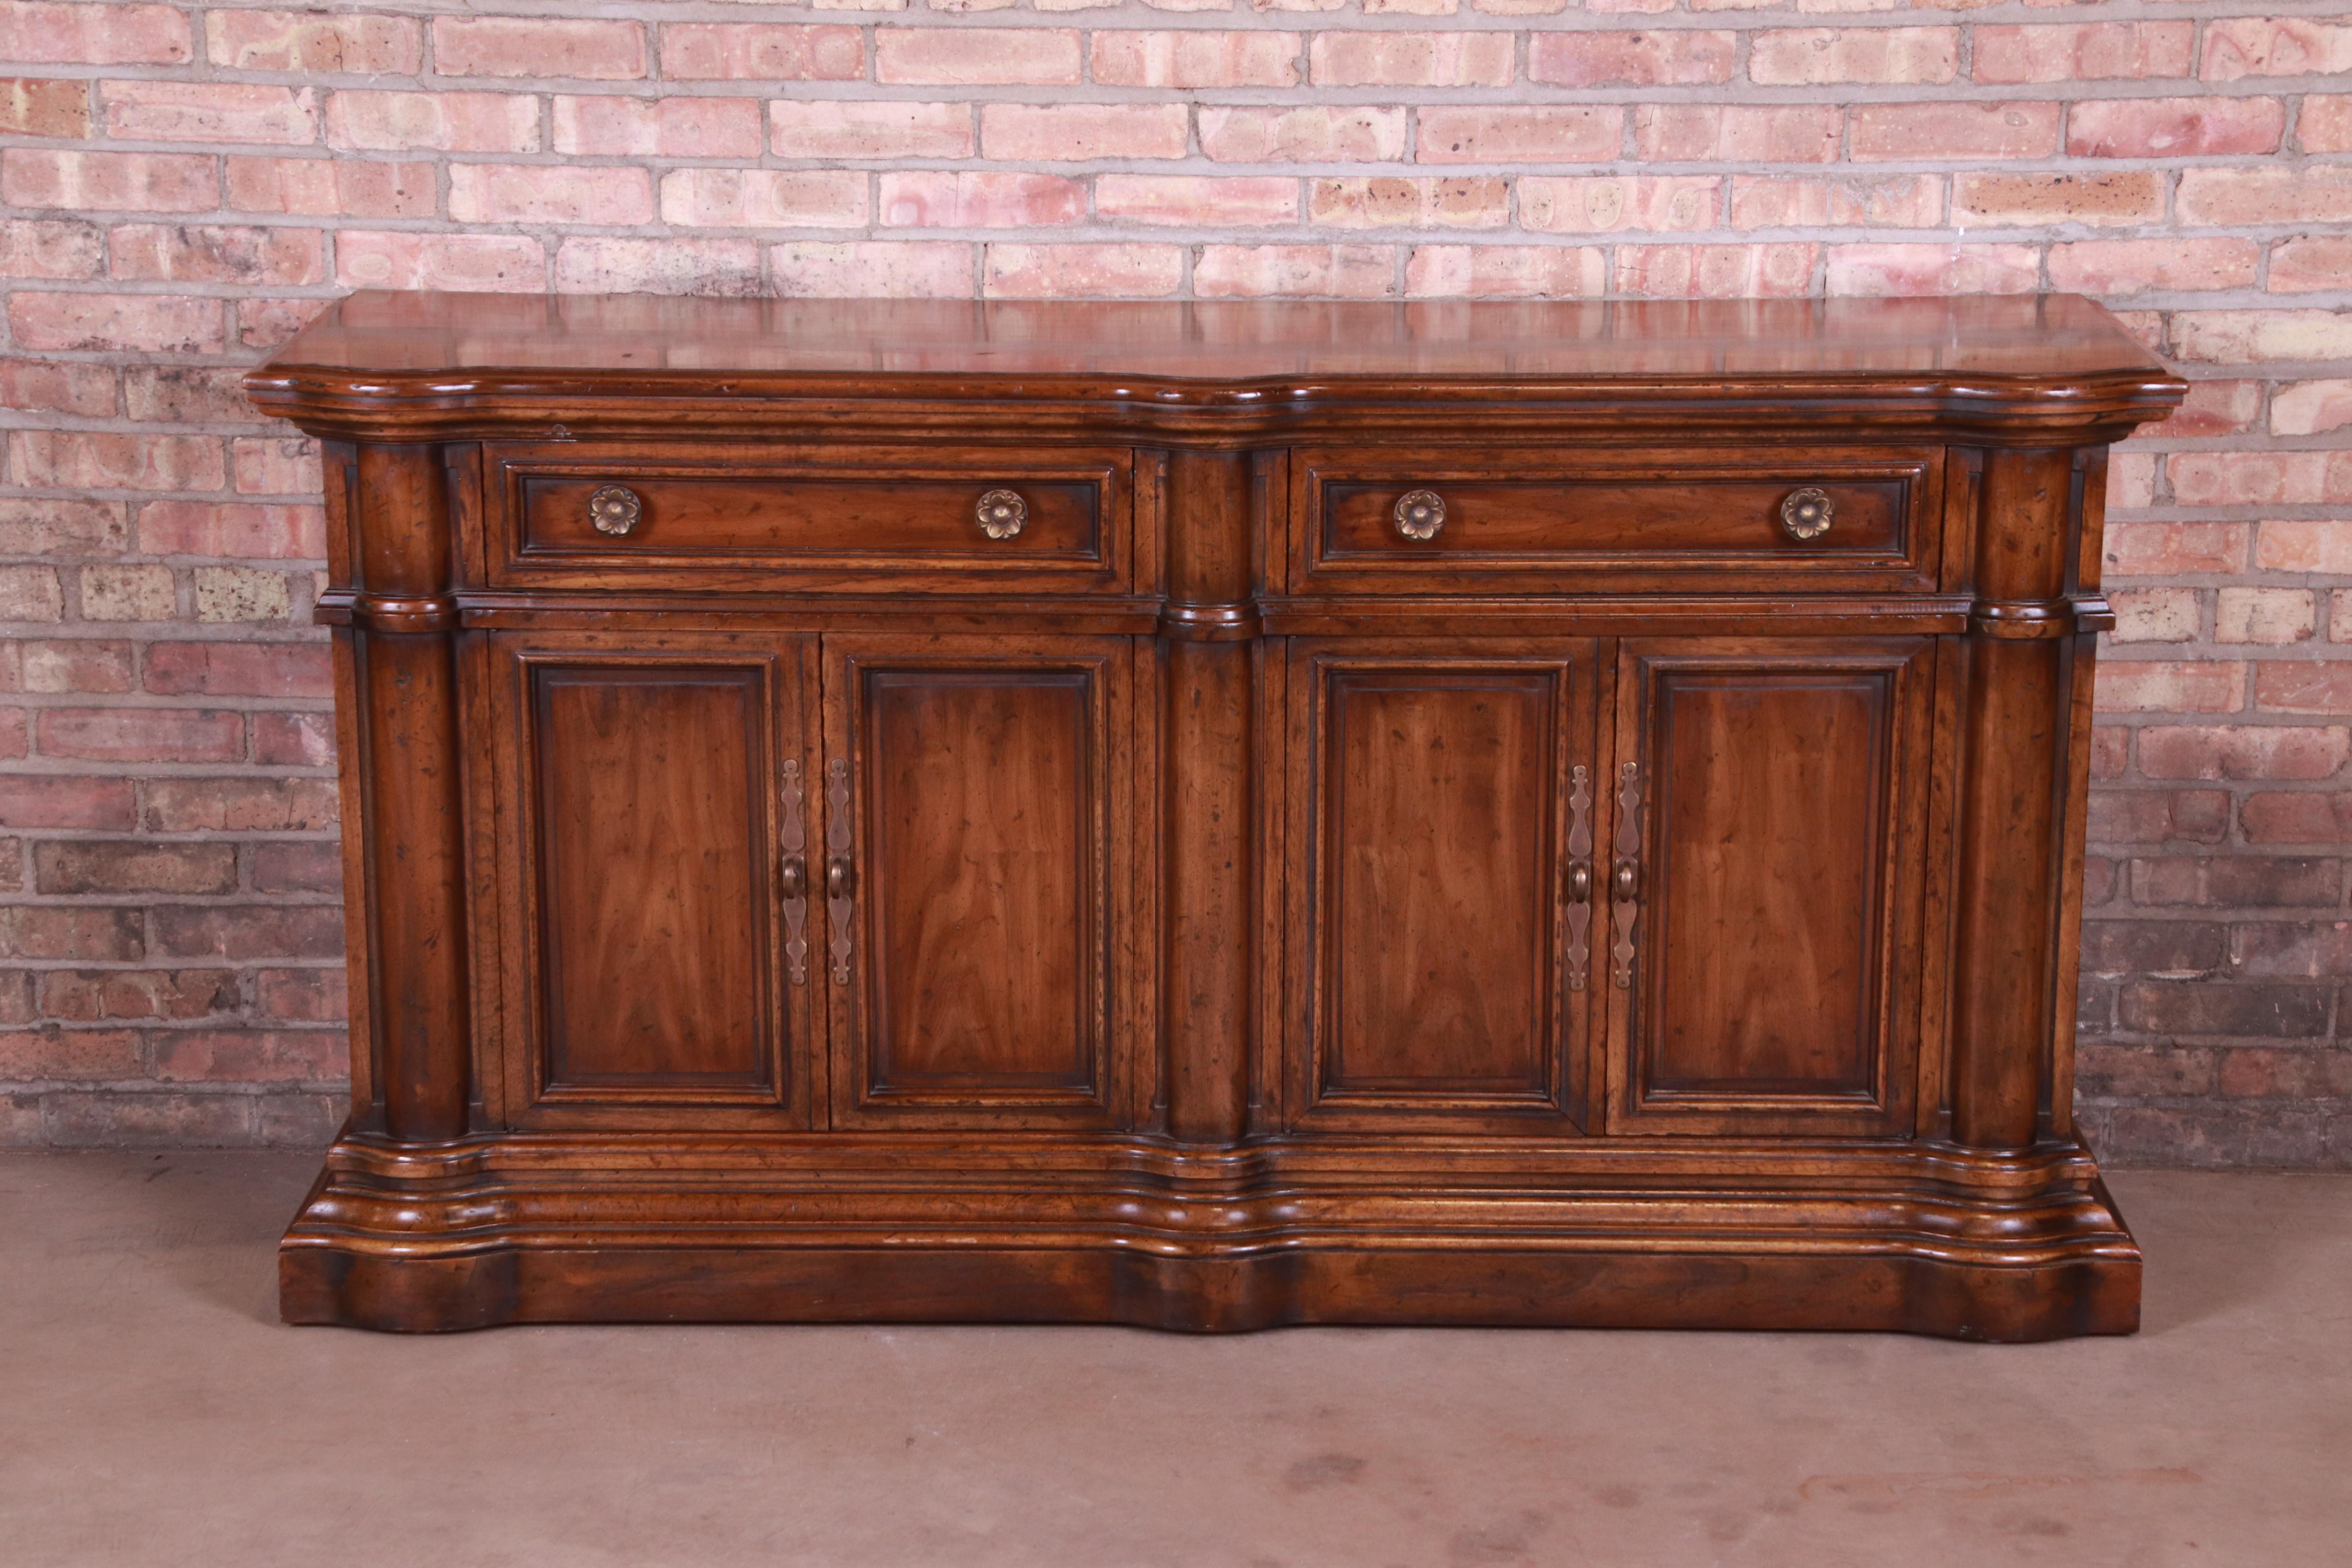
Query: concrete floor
152, 1411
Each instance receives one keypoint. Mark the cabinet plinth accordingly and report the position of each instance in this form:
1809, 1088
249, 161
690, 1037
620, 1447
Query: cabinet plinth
1214, 816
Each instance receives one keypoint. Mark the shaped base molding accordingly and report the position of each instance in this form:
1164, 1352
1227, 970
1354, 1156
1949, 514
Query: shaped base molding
1920, 1238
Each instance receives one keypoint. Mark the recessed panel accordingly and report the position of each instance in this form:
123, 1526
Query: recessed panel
653, 898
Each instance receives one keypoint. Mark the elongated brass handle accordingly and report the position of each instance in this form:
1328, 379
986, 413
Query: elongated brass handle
1579, 875
839, 879
1002, 514
1625, 876
615, 509
1419, 514
1807, 513
792, 876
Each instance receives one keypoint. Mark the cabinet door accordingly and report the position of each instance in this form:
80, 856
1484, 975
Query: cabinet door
651, 782
1767, 965
980, 794
1434, 968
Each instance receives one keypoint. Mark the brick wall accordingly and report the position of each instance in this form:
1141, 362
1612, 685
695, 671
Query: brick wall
181, 185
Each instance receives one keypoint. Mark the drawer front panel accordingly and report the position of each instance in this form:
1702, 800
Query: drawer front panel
816, 517
1528, 521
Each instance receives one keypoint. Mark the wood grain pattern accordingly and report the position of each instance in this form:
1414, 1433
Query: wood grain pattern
1200, 856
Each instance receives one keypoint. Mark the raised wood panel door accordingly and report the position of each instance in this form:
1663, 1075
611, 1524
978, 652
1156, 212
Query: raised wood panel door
647, 978
982, 797
1770, 949
1433, 958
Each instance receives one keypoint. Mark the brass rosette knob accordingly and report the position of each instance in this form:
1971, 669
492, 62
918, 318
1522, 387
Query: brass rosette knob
615, 509
1002, 514
1806, 513
1419, 514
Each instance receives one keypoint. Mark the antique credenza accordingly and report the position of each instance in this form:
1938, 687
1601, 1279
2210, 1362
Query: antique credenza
1215, 815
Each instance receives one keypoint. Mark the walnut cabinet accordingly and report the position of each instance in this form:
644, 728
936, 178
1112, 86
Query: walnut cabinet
1214, 815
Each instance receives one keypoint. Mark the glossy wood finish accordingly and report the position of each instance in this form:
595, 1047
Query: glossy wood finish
1204, 908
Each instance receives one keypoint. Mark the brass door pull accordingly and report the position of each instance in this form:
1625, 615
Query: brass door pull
1625, 876
1579, 875
1419, 514
1002, 514
839, 879
1806, 513
792, 877
615, 509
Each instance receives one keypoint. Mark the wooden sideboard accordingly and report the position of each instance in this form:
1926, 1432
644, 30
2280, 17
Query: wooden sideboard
1215, 815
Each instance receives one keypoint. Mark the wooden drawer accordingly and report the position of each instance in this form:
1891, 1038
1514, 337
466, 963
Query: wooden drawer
576, 514
1535, 521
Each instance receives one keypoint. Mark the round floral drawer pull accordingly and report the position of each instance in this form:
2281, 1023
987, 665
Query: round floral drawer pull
1002, 514
1806, 513
1419, 514
615, 509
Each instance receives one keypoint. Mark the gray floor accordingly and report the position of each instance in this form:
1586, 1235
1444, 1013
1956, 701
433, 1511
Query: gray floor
152, 1410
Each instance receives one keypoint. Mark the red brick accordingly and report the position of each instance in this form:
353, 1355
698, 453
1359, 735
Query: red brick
133, 866
2304, 687
208, 111
2232, 881
1607, 204
2310, 263
107, 182
538, 47
2287, 1072
2245, 479
2174, 127
1675, 58
1716, 271
2214, 408
18, 1004
49, 32
1817, 55
142, 734
58, 386
1196, 59
103, 460
2292, 950
831, 128
87, 1056
38, 248
299, 739
2243, 337
249, 1055
54, 525
332, 188
98, 995
468, 262
145, 1120
1505, 272
49, 800
239, 669
2034, 200
33, 106
657, 127
266, 324
1082, 271
137, 323
2272, 615
1197, 200
2306, 407
1318, 133
437, 121
1073, 132
1874, 270
1898, 201
311, 41
246, 531
71, 663
537, 192
2133, 266
2300, 816
213, 253
2158, 817
2104, 1070
763, 198
302, 995
2174, 548
2083, 51
1502, 134
1295, 271
72, 932
231, 805
941, 198
306, 1121
1953, 131
276, 465
1465, 201
298, 866
15, 728
2110, 751
1734, 133
2237, 46
2325, 124
968, 57
1412, 59
762, 52
249, 931
931, 269
31, 594
2319, 193
729, 268
2243, 751
2158, 686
